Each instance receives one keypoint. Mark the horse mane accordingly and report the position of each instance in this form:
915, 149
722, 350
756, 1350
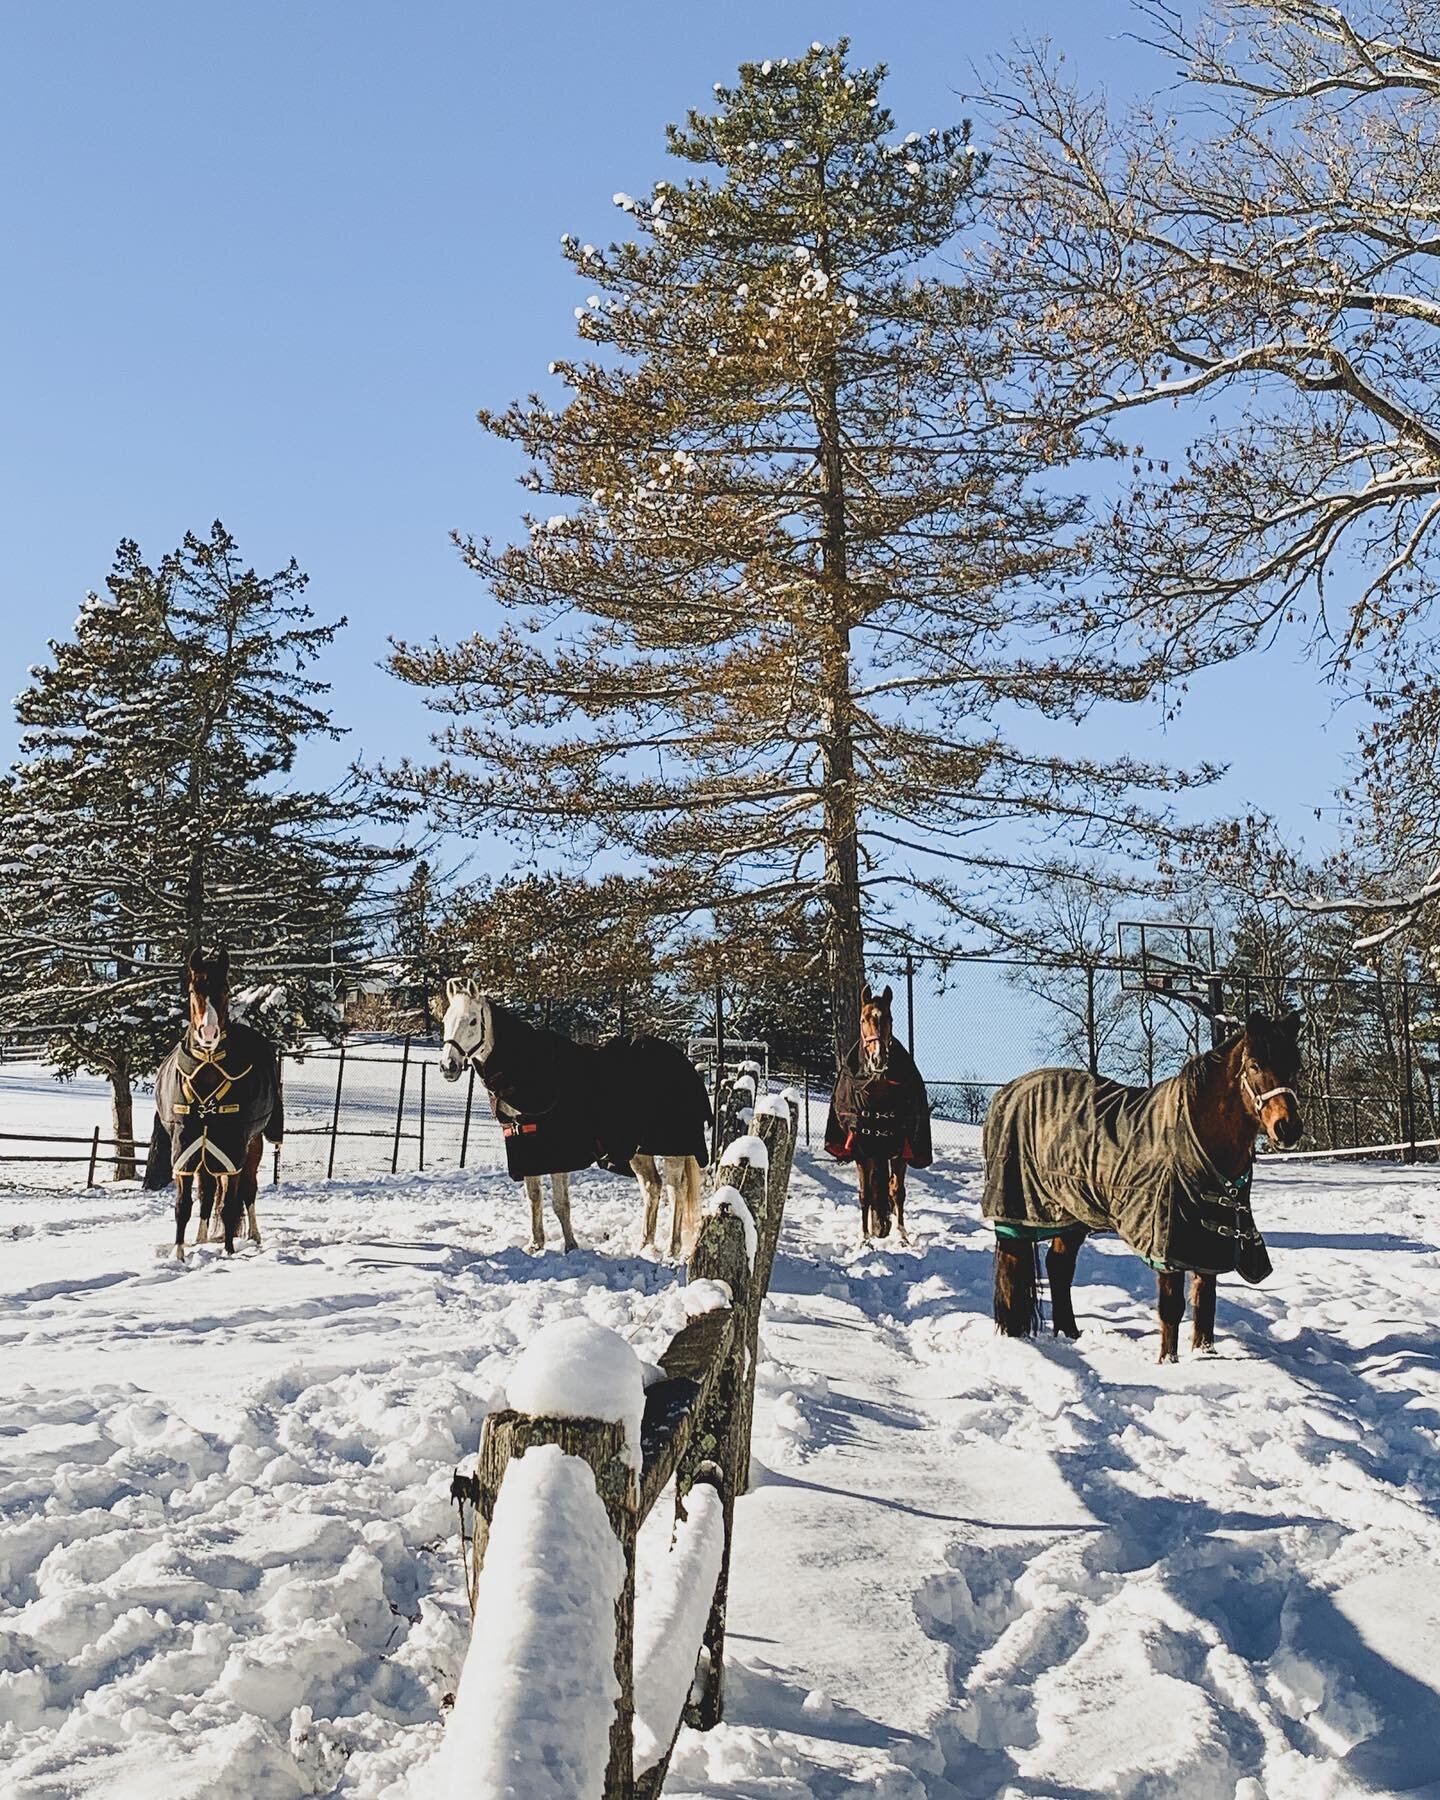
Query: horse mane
1197, 1072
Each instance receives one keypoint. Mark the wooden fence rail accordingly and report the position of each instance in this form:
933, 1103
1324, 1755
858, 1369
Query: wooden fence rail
695, 1430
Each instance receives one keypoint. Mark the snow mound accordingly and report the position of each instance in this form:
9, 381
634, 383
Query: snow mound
747, 1149
671, 1624
705, 1296
537, 1695
576, 1369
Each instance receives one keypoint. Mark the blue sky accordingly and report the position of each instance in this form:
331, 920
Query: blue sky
264, 262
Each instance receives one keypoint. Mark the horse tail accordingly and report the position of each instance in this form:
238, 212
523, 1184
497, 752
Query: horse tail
1017, 1287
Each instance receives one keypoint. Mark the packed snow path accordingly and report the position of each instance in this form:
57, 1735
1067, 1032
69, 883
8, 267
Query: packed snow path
968, 1567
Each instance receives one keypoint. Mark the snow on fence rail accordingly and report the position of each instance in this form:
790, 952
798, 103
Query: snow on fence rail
608, 1703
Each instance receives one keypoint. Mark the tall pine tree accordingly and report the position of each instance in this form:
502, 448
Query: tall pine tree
808, 561
149, 813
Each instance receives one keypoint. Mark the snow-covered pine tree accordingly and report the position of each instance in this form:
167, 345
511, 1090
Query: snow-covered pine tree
147, 813
805, 572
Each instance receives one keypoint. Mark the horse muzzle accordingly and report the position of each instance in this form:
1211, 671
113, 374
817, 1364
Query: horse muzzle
1284, 1131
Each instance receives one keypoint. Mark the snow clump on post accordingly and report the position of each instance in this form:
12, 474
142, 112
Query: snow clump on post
576, 1369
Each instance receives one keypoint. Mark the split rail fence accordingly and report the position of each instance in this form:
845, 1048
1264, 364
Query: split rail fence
695, 1431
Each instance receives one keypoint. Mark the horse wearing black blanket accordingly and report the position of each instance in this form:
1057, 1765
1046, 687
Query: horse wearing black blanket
563, 1106
880, 1118
217, 1095
1168, 1169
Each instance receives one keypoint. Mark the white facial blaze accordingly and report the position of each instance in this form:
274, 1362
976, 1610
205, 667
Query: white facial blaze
465, 1030
208, 1030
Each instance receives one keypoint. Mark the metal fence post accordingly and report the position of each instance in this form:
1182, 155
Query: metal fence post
465, 1129
910, 1002
807, 1106
400, 1106
94, 1157
424, 1066
335, 1115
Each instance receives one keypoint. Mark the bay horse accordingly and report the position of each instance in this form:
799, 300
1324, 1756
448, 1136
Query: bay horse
1168, 1168
880, 1118
217, 1097
632, 1102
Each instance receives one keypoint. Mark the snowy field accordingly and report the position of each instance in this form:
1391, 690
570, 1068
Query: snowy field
968, 1567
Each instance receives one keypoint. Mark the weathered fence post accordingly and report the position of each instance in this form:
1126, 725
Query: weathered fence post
335, 1114
94, 1157
506, 1435
400, 1106
717, 1447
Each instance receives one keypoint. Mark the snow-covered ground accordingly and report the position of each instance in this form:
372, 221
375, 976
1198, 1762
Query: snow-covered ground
969, 1567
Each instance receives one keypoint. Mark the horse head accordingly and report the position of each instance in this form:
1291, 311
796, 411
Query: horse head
877, 1028
1269, 1067
207, 985
469, 1028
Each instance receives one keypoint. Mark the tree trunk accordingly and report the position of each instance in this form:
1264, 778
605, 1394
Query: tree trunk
845, 934
122, 1113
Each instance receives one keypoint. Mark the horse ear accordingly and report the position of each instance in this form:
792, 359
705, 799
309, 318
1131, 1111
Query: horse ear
887, 996
865, 995
223, 962
197, 961
453, 986
1291, 1022
1257, 1022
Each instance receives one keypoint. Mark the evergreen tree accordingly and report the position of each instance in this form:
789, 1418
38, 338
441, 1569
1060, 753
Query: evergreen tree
422, 946
147, 814
808, 558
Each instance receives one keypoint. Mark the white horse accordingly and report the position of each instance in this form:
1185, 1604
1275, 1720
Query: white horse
469, 1038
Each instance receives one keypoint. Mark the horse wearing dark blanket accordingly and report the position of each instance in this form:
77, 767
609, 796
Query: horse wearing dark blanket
1167, 1168
880, 1118
563, 1106
217, 1095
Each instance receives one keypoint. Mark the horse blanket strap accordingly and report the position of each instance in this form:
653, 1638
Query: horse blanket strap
565, 1105
1039, 1234
1063, 1147
210, 1104
880, 1112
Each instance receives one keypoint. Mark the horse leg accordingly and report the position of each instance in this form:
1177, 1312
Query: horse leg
206, 1185
1171, 1307
683, 1189
183, 1205
865, 1175
247, 1186
536, 1197
1017, 1306
1202, 1298
649, 1178
560, 1206
1060, 1261
232, 1208
897, 1196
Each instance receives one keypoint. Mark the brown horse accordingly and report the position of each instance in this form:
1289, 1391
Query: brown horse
1168, 1168
217, 1097
880, 1118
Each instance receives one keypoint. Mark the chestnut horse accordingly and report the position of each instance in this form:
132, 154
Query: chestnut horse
1178, 1158
880, 1118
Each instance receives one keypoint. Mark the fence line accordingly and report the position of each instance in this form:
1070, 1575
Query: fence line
695, 1432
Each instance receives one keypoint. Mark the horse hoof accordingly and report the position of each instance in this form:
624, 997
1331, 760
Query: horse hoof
179, 1253
1168, 1356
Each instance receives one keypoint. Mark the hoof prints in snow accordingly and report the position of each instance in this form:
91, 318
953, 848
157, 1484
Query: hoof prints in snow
966, 1567
228, 1559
